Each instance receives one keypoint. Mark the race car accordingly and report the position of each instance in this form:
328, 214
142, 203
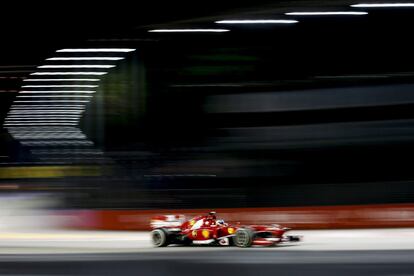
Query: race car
207, 229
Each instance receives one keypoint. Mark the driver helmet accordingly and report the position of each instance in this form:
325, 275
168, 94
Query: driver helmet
212, 215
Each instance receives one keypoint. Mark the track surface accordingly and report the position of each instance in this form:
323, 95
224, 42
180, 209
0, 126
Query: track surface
339, 252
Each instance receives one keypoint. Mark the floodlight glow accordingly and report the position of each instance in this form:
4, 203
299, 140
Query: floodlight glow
97, 50
327, 13
14, 110
38, 123
55, 86
46, 112
52, 121
258, 21
23, 106
61, 80
46, 137
188, 30
85, 58
30, 116
57, 91
53, 101
68, 73
383, 5
56, 96
76, 66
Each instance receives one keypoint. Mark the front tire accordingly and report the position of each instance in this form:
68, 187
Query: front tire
244, 237
159, 237
294, 238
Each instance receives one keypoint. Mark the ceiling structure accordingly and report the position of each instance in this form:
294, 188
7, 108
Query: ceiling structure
34, 31
261, 61
321, 47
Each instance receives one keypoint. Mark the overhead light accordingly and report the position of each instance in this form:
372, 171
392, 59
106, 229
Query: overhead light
69, 73
188, 31
58, 91
258, 21
33, 119
51, 121
40, 123
53, 101
56, 96
85, 58
97, 50
46, 129
61, 152
77, 66
383, 5
61, 80
55, 86
29, 131
45, 121
327, 13
42, 132
47, 109
75, 109
47, 112
46, 137
77, 106
45, 133
55, 143
41, 116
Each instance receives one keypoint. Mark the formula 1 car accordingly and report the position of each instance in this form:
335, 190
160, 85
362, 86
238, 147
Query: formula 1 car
207, 229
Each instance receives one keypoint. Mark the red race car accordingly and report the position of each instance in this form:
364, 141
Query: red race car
207, 229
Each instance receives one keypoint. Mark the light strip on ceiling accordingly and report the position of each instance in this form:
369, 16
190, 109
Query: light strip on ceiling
383, 5
85, 58
77, 66
46, 112
53, 101
46, 80
23, 116
96, 50
76, 106
46, 121
55, 96
257, 21
57, 91
68, 73
188, 30
36, 124
326, 13
55, 86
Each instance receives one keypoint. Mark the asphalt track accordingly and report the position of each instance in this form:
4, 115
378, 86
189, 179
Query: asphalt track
344, 252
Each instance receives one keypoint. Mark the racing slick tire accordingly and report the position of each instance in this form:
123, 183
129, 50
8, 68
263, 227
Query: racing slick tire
243, 238
294, 238
159, 237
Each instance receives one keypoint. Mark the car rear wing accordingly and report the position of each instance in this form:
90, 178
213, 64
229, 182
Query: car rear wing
167, 221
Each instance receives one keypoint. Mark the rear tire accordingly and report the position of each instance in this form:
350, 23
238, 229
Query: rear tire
159, 237
243, 238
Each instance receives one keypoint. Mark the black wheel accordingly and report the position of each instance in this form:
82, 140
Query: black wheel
231, 241
243, 238
184, 240
294, 238
159, 237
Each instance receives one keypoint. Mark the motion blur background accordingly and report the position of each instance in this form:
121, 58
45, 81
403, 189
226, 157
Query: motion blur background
291, 112
308, 122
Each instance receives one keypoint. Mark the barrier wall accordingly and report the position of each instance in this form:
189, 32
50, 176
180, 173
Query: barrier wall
324, 217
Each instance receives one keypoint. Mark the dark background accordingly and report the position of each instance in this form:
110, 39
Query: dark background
315, 113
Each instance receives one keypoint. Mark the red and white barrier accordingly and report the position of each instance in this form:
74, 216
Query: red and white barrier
323, 217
